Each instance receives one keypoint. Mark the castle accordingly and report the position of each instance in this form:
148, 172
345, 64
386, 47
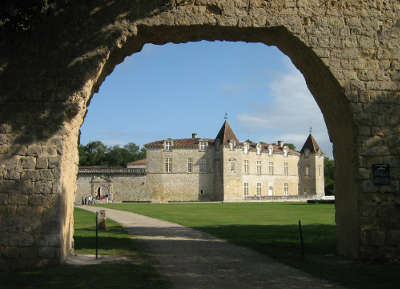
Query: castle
220, 169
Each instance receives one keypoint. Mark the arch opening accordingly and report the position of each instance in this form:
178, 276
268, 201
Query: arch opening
326, 90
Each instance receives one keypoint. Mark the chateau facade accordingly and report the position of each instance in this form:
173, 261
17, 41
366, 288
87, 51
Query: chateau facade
220, 169
224, 169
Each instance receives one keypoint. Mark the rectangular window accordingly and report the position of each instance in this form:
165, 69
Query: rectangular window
258, 189
203, 166
203, 146
286, 168
285, 189
190, 165
246, 189
168, 145
168, 165
232, 166
246, 167
271, 168
307, 173
258, 163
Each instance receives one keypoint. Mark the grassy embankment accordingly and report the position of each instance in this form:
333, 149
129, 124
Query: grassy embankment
137, 273
272, 229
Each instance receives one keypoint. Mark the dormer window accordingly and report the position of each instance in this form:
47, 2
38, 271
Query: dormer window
168, 145
258, 149
203, 146
246, 148
270, 150
285, 151
231, 144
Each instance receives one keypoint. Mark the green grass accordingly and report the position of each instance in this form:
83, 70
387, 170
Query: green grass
272, 229
113, 241
137, 273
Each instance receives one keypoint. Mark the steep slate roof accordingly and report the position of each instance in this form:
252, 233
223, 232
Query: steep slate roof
311, 144
182, 142
226, 134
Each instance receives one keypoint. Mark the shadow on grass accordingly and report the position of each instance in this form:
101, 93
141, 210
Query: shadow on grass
281, 242
119, 246
318, 238
116, 276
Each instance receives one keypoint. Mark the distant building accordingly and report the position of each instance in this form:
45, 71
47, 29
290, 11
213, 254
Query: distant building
140, 164
220, 169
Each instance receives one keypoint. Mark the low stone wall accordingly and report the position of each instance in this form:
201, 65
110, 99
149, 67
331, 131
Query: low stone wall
123, 184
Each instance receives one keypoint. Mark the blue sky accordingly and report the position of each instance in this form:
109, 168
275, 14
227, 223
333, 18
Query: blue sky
177, 89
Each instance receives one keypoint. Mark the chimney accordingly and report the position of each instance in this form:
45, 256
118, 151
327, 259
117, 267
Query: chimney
280, 143
194, 135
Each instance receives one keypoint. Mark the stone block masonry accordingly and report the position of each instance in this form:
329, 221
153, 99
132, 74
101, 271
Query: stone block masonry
348, 52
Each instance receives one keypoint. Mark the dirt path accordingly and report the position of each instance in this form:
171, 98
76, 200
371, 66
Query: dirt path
196, 260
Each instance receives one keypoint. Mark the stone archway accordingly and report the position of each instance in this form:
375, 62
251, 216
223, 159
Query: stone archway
348, 53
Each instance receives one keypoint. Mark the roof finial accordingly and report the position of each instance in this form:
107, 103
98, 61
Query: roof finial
310, 129
226, 116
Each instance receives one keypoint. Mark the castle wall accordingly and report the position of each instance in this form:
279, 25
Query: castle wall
314, 182
123, 188
83, 187
319, 176
234, 181
127, 188
179, 184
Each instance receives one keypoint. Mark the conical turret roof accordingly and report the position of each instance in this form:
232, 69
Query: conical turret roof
226, 134
311, 144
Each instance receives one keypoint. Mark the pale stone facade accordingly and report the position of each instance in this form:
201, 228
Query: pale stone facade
224, 169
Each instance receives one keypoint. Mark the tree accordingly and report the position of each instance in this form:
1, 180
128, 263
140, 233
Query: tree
329, 174
97, 154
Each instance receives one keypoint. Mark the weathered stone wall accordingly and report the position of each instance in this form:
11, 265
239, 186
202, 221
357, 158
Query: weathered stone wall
348, 52
130, 188
314, 182
179, 184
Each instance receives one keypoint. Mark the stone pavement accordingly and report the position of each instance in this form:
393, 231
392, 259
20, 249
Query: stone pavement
196, 260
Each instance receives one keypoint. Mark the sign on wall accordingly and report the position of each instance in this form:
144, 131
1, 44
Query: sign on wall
381, 174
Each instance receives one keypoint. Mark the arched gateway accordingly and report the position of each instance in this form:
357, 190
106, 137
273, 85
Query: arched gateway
348, 52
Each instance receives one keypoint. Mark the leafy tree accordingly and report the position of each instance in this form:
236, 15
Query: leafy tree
329, 173
97, 154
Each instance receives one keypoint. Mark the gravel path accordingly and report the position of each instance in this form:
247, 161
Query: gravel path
196, 260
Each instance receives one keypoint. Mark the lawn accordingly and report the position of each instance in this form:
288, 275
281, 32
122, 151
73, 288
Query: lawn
137, 273
272, 229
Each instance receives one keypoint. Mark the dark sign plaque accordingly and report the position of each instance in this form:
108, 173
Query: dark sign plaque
381, 174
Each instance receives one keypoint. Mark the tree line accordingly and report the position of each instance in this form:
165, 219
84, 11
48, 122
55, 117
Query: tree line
98, 154
329, 172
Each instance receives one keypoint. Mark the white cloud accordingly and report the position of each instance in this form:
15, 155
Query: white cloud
290, 114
